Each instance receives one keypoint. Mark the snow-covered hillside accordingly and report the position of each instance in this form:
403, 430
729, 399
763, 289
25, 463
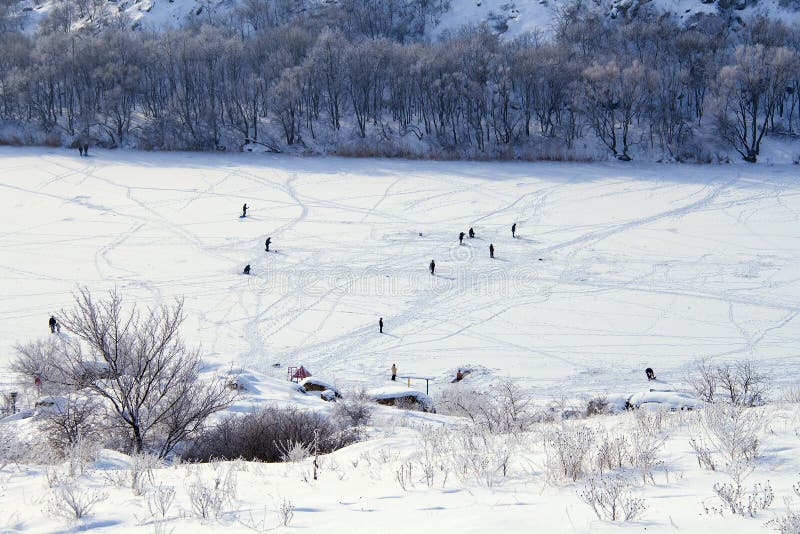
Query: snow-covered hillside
508, 18
615, 268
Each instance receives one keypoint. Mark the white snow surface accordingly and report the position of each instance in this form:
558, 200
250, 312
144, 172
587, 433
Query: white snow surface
642, 265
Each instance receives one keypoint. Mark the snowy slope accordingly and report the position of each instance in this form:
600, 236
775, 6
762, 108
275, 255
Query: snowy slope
508, 18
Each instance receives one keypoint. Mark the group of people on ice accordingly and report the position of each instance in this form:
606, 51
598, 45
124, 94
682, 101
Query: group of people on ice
432, 265
432, 269
267, 243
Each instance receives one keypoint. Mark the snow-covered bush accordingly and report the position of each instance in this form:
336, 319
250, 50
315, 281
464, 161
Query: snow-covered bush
788, 523
791, 394
732, 431
598, 406
568, 451
286, 510
159, 501
477, 454
704, 381
610, 498
740, 502
210, 499
504, 408
613, 452
646, 440
77, 419
353, 410
738, 383
470, 452
295, 451
71, 502
742, 384
15, 448
705, 458
39, 359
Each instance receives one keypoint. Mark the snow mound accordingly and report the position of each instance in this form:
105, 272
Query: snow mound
662, 397
392, 396
315, 384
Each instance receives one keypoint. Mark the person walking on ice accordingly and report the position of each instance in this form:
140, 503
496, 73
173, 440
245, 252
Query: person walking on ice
54, 326
471, 233
432, 267
461, 238
244, 210
266, 243
394, 371
514, 230
380, 325
491, 250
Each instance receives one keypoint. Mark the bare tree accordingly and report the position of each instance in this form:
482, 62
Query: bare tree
614, 95
135, 361
749, 90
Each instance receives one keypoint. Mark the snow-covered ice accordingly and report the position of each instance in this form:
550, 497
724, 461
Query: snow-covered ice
617, 267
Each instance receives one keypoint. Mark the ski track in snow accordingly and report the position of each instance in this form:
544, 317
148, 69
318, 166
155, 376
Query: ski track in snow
638, 269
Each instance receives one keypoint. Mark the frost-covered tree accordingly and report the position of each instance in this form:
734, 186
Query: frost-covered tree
135, 362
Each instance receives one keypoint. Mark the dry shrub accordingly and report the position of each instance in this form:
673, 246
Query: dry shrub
263, 435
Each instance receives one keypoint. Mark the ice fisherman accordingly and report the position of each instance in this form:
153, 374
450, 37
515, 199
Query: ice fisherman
380, 325
432, 267
514, 230
266, 243
461, 238
491, 250
244, 209
471, 233
247, 269
394, 371
54, 326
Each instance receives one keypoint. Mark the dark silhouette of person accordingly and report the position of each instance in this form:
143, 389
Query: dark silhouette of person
244, 209
471, 233
650, 374
461, 238
432, 267
394, 371
491, 250
86, 149
53, 324
514, 230
459, 376
80, 150
380, 325
247, 269
267, 242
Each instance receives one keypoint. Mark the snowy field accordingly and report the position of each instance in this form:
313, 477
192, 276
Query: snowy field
641, 265
615, 267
